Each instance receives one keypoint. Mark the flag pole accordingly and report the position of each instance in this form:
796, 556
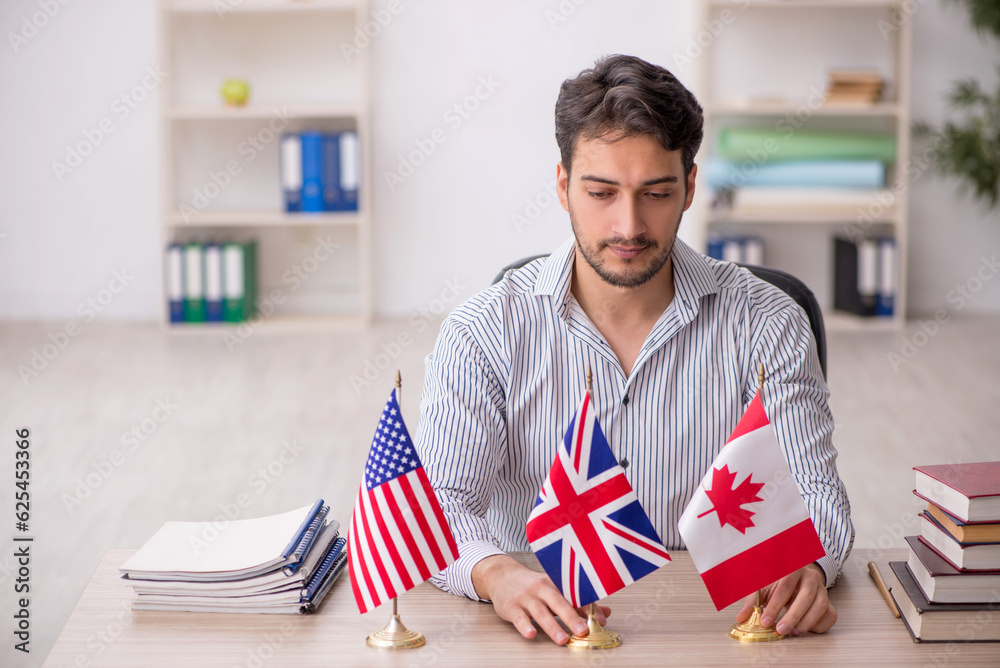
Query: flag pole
597, 636
752, 630
395, 635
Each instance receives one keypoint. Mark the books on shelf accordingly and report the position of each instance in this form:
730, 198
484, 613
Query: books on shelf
744, 249
828, 200
970, 492
760, 172
211, 282
320, 171
281, 564
766, 145
864, 275
853, 87
720, 173
946, 583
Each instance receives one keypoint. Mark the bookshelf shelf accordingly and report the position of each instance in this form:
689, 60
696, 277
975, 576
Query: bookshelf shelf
794, 218
261, 111
263, 219
802, 4
222, 8
272, 324
880, 109
220, 164
767, 69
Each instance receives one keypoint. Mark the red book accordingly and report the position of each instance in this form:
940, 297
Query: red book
970, 492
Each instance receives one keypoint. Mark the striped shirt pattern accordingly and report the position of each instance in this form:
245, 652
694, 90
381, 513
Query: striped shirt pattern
399, 536
507, 373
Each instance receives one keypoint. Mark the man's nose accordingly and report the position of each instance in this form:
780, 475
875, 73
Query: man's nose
628, 223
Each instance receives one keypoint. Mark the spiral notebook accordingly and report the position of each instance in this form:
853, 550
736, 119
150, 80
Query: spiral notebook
230, 550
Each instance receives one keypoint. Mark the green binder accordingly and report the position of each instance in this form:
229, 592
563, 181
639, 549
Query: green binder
239, 262
194, 282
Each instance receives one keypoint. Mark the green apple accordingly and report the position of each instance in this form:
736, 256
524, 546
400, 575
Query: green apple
235, 92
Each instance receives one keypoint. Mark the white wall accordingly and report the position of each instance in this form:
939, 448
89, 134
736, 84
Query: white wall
65, 238
453, 218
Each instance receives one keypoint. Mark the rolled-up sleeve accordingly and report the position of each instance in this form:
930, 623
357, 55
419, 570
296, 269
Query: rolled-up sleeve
461, 439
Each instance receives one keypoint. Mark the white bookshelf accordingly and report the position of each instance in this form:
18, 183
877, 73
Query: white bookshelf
769, 63
290, 53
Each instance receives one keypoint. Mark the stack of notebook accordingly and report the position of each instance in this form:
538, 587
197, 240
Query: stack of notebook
279, 564
949, 587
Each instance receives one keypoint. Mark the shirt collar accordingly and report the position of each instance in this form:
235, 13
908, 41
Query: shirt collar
693, 278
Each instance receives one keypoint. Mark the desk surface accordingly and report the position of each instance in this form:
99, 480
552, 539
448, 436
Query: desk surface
666, 618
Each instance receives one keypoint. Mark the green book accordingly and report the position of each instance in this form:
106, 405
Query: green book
194, 283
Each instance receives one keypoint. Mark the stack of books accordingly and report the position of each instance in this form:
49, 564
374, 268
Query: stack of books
764, 173
281, 564
211, 282
949, 587
853, 87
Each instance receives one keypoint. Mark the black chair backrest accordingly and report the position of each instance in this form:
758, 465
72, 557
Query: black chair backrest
789, 284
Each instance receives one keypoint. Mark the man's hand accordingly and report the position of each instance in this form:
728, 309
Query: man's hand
804, 592
520, 595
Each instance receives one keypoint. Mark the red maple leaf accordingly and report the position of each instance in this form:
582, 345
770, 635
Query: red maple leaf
727, 502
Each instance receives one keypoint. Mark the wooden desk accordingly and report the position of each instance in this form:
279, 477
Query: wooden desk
664, 619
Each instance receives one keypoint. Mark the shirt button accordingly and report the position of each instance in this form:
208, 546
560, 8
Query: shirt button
625, 400
624, 462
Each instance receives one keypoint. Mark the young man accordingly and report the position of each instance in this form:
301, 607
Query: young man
674, 338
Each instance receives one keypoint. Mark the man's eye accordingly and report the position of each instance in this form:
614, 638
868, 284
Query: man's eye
599, 194
659, 195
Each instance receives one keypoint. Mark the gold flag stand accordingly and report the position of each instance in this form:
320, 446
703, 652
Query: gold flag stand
597, 636
752, 630
395, 635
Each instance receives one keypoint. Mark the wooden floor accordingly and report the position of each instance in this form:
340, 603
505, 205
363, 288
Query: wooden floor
131, 427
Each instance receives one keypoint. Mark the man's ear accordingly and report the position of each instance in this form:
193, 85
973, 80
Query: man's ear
690, 187
562, 185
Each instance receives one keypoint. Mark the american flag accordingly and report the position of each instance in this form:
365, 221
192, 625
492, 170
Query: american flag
587, 528
398, 536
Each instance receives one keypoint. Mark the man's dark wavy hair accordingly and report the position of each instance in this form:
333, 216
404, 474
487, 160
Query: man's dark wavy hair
624, 96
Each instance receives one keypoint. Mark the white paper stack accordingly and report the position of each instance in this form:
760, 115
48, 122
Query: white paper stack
278, 564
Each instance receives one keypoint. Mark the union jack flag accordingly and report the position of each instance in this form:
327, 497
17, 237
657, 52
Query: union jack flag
587, 528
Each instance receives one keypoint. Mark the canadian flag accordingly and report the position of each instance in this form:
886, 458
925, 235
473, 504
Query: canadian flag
746, 525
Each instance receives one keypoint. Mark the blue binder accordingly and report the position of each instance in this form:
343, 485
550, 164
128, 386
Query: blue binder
312, 171
332, 195
886, 295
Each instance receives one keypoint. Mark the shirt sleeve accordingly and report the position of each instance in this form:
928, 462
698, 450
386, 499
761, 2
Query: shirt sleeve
796, 398
461, 440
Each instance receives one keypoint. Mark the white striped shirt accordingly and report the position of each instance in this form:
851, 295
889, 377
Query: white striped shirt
507, 374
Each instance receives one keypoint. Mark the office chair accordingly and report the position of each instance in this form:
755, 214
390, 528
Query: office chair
787, 283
